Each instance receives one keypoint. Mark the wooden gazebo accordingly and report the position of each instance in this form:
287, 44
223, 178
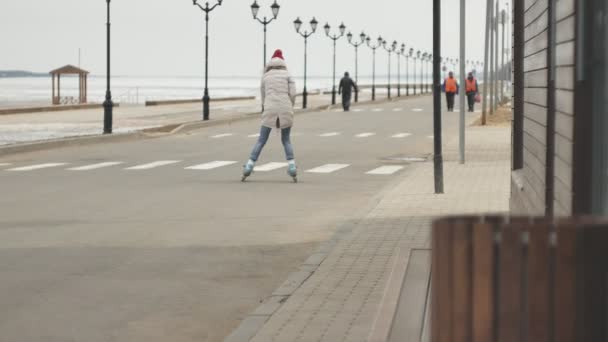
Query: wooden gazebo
82, 85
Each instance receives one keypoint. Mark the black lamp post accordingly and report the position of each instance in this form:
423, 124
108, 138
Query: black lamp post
255, 8
374, 47
400, 53
390, 50
206, 9
107, 104
423, 61
298, 25
335, 38
349, 36
429, 68
408, 55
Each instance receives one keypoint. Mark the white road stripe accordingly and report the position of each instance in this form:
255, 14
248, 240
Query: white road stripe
224, 135
257, 135
365, 135
401, 135
37, 167
328, 168
269, 167
377, 110
5, 164
331, 134
398, 110
385, 170
211, 166
153, 165
94, 166
358, 110
431, 137
417, 110
478, 111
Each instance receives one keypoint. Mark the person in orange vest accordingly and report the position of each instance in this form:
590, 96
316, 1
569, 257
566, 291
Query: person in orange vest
450, 87
472, 89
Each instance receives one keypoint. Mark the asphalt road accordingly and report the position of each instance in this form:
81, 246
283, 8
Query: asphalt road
91, 250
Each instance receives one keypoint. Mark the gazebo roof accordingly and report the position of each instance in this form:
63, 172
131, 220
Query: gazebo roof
69, 69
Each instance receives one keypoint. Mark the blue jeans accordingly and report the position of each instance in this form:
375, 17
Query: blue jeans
264, 134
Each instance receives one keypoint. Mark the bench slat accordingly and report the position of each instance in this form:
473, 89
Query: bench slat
483, 283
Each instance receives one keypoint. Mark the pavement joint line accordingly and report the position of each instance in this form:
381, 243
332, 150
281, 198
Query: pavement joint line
157, 132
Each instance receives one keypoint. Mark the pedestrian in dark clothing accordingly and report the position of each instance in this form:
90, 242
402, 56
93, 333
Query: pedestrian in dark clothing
450, 87
472, 91
346, 89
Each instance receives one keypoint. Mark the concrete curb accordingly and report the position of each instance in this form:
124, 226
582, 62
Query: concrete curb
157, 132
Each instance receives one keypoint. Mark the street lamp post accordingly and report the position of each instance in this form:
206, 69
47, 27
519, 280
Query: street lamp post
413, 56
255, 8
298, 25
429, 64
423, 61
419, 57
108, 105
206, 9
400, 53
374, 47
335, 38
390, 50
349, 36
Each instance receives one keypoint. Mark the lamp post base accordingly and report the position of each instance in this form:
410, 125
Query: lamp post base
206, 101
108, 106
305, 99
389, 91
373, 93
333, 95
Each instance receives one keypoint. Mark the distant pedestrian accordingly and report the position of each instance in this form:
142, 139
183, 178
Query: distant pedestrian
472, 90
346, 89
278, 98
450, 86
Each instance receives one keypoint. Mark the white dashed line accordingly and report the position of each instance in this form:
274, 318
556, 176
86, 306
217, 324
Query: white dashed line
270, 167
398, 110
385, 170
328, 168
417, 110
401, 135
153, 165
37, 167
431, 137
5, 164
331, 134
365, 135
211, 166
94, 166
257, 135
222, 135
357, 110
377, 110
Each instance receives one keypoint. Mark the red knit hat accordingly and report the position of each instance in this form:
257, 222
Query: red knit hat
278, 54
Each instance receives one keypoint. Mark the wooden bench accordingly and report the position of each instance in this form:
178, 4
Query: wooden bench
519, 279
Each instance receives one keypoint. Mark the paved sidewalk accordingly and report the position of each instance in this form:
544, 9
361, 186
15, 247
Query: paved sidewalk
338, 293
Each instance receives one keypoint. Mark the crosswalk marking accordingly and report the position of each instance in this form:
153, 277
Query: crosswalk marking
153, 165
401, 135
331, 134
365, 135
94, 166
328, 168
211, 166
224, 135
37, 167
385, 170
270, 167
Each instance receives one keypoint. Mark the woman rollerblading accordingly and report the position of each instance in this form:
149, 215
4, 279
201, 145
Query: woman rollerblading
278, 92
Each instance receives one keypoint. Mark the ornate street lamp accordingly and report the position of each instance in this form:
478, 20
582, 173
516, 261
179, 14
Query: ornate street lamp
374, 47
255, 8
207, 9
298, 26
349, 36
400, 53
390, 50
335, 38
108, 105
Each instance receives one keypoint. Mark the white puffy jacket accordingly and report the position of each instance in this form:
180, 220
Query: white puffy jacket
278, 95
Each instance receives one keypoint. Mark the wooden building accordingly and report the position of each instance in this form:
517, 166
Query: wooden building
82, 85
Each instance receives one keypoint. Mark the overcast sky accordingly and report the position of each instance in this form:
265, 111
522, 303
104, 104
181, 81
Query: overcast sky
165, 37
